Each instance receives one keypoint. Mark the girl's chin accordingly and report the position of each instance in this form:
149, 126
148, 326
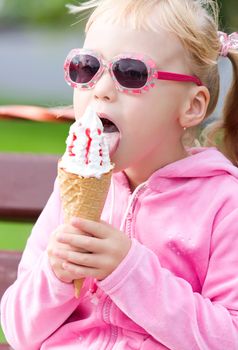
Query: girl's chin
112, 139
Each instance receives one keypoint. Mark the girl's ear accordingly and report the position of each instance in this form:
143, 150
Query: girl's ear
195, 108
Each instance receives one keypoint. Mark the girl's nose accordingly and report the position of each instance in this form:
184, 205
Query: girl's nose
105, 88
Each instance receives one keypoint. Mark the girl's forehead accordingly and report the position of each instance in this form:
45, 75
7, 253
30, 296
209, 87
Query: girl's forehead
111, 39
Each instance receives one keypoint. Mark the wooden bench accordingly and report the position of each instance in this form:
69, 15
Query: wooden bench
26, 181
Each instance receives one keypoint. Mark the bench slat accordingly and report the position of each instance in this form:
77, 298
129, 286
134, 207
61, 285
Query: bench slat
26, 181
5, 347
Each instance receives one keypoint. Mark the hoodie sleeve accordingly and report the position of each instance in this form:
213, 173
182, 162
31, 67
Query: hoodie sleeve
166, 306
37, 296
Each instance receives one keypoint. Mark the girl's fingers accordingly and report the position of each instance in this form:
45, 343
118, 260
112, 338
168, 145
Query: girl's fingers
77, 258
97, 229
88, 243
81, 271
67, 228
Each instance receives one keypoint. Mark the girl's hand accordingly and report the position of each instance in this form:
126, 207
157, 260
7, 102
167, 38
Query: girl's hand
55, 249
96, 249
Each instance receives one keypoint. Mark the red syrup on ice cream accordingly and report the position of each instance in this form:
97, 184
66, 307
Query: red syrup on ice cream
71, 154
87, 131
100, 150
88, 134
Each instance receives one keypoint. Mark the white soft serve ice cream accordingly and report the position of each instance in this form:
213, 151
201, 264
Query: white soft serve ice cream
87, 152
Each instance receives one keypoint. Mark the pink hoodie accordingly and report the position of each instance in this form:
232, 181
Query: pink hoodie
176, 289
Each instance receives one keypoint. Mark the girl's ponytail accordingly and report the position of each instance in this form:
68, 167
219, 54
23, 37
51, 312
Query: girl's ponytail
230, 114
224, 132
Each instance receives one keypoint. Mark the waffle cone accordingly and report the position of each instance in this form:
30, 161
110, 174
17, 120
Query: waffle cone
82, 197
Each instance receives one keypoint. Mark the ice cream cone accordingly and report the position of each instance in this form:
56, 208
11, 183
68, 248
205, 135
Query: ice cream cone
82, 197
85, 171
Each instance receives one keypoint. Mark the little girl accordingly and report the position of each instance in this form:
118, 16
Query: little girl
160, 269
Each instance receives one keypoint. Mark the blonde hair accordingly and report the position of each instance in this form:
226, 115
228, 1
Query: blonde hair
195, 22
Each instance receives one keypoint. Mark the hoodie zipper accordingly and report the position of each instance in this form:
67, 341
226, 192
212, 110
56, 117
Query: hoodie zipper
113, 329
126, 225
127, 219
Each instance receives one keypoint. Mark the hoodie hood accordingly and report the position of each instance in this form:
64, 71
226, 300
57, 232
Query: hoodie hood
200, 163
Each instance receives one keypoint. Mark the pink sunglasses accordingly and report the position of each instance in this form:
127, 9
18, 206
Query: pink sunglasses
130, 72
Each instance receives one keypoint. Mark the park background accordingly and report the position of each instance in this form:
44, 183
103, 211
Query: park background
35, 37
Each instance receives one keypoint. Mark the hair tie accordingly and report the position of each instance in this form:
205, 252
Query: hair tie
228, 42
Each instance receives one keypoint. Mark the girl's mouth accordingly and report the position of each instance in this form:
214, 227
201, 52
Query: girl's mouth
109, 126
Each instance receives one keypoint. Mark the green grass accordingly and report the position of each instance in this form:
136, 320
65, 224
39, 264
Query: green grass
35, 137
13, 235
2, 338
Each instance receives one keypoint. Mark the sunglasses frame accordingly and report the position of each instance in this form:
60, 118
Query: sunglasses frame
153, 72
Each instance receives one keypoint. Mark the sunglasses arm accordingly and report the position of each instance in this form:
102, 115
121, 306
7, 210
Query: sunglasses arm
178, 77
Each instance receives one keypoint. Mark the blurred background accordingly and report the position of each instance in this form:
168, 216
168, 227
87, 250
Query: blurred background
35, 37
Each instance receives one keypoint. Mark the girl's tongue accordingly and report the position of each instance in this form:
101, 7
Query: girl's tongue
111, 134
112, 139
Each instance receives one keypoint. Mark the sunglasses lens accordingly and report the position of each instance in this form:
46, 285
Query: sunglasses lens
83, 68
130, 73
